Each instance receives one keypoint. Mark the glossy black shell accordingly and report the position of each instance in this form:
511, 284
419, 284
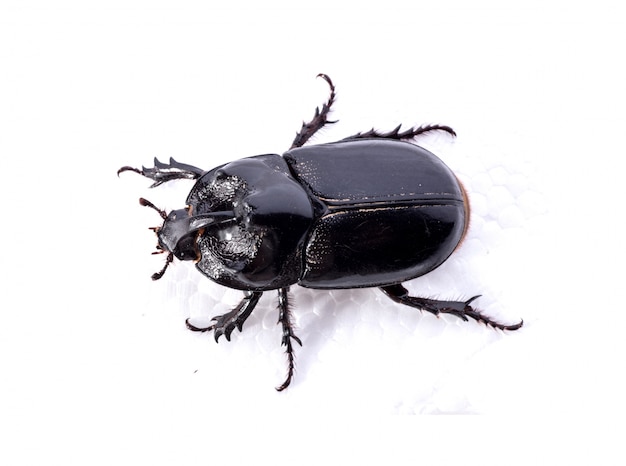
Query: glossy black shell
349, 214
394, 212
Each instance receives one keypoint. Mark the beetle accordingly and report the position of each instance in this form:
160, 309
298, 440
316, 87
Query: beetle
370, 210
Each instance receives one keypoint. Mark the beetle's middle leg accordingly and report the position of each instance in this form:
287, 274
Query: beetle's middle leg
320, 118
461, 309
398, 135
225, 324
284, 318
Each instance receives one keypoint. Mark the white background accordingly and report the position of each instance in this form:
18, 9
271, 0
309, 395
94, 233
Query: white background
96, 366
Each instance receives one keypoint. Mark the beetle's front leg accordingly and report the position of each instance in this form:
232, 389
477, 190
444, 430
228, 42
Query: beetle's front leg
461, 309
164, 172
284, 318
320, 118
225, 324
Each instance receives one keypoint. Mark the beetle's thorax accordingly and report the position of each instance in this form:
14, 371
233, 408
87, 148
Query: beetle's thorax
261, 248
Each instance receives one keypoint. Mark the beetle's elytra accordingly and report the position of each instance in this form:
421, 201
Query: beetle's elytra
371, 210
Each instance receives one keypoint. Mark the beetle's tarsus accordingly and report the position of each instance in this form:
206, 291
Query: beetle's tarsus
194, 328
128, 169
320, 117
461, 309
226, 323
164, 172
284, 318
396, 134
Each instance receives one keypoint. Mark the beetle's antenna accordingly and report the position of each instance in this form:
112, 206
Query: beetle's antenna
170, 256
146, 203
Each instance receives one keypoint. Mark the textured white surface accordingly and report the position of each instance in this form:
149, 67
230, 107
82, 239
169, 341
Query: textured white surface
96, 364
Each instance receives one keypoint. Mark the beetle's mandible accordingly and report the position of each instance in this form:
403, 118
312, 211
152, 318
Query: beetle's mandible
370, 210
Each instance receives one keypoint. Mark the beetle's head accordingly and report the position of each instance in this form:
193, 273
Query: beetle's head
177, 236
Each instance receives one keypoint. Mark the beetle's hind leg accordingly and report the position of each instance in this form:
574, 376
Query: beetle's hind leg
396, 134
284, 318
225, 324
164, 172
320, 118
461, 309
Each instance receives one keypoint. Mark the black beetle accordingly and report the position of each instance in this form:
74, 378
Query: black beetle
371, 210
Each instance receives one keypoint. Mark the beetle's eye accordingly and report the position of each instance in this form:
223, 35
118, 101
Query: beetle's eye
186, 249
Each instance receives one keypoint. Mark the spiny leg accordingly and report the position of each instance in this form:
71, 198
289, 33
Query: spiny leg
401, 135
461, 309
284, 318
319, 119
225, 324
164, 172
